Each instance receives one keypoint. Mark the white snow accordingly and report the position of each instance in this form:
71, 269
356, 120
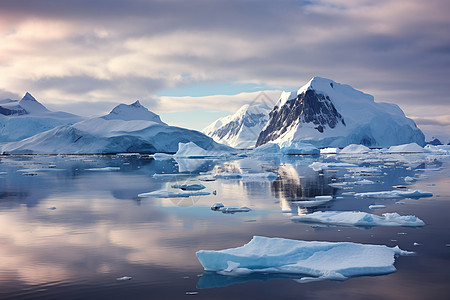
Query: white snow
377, 206
173, 194
355, 149
319, 166
358, 218
395, 194
406, 148
298, 148
326, 260
241, 129
104, 169
192, 150
189, 187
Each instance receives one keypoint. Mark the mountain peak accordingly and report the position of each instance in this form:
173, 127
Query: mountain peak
31, 105
134, 111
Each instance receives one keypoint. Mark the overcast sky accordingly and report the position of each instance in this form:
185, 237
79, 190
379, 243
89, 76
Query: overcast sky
179, 57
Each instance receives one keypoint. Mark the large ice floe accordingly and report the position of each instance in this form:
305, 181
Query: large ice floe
358, 218
395, 194
308, 260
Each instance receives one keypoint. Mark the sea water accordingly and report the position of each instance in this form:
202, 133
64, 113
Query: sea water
71, 226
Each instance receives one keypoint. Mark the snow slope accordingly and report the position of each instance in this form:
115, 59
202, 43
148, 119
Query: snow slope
329, 114
128, 128
241, 129
27, 117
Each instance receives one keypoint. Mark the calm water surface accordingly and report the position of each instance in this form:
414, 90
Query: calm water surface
67, 232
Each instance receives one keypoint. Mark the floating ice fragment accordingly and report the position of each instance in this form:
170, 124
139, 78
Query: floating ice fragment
350, 183
124, 278
191, 293
395, 194
217, 206
323, 260
357, 218
105, 169
378, 206
409, 179
172, 194
319, 166
189, 187
207, 178
52, 208
417, 244
232, 210
323, 198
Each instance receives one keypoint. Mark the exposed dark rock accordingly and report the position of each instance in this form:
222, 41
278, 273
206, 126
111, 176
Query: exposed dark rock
308, 107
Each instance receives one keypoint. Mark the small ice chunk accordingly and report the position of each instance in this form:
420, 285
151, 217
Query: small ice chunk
124, 278
357, 218
232, 210
191, 293
417, 244
377, 206
323, 198
52, 208
217, 206
162, 156
207, 178
409, 179
355, 149
105, 169
319, 166
189, 187
172, 194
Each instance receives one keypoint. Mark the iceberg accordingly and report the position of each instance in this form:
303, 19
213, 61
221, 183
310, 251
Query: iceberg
358, 218
192, 150
127, 128
298, 148
324, 260
406, 148
355, 149
395, 194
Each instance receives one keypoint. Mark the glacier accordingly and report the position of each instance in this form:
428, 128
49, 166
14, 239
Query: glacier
325, 113
323, 260
127, 128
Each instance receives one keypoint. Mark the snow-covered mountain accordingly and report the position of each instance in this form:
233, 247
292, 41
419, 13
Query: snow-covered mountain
127, 128
329, 114
240, 130
27, 117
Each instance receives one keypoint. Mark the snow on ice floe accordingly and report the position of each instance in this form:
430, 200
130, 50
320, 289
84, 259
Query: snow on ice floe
189, 187
358, 218
406, 148
324, 260
297, 148
355, 149
350, 183
247, 176
192, 150
105, 169
377, 206
173, 194
320, 166
395, 194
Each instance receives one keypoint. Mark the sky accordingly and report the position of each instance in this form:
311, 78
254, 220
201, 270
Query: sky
194, 61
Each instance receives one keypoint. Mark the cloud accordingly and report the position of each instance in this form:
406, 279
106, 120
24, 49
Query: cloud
116, 51
438, 120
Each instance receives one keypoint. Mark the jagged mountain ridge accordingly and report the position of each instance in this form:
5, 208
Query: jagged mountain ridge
241, 129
